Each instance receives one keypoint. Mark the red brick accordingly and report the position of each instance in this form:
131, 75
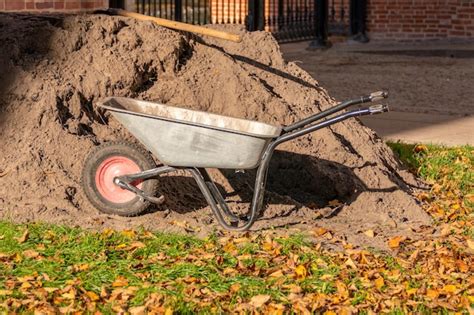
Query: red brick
2, 5
87, 5
14, 5
59, 5
457, 33
44, 5
30, 5
73, 5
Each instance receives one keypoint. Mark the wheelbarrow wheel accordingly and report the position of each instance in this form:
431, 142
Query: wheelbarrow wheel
108, 161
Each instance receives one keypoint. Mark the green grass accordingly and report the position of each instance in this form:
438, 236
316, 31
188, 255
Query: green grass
154, 263
127, 269
450, 169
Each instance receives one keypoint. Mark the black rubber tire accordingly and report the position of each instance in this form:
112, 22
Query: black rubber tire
137, 154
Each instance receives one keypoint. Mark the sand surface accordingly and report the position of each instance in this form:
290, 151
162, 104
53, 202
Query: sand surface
54, 69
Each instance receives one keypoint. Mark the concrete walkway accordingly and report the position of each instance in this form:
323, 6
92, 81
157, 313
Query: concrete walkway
423, 128
430, 85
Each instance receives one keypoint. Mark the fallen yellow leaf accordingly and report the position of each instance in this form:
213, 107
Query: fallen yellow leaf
412, 291
69, 295
301, 272
107, 232
431, 293
267, 246
259, 300
470, 243
276, 274
320, 231
275, 309
92, 296
80, 267
121, 281
420, 148
349, 262
463, 267
25, 285
29, 253
229, 247
234, 288
23, 237
137, 310
395, 242
128, 233
50, 290
342, 290
379, 283
135, 245
168, 311
370, 233
449, 288
5, 292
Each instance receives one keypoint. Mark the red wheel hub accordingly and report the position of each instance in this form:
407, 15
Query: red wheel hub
107, 171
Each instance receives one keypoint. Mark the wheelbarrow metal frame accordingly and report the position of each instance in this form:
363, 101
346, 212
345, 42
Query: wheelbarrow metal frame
214, 198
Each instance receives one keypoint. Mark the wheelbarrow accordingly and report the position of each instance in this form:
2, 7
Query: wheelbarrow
121, 178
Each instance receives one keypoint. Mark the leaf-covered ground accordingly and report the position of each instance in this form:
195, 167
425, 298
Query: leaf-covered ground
50, 269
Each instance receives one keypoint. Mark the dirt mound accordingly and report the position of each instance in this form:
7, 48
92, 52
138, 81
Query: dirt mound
54, 69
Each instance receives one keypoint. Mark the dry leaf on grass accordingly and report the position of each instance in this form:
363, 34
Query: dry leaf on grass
379, 283
395, 242
24, 237
29, 253
301, 272
259, 300
120, 282
470, 244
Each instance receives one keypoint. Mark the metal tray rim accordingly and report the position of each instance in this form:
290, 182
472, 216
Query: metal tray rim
184, 122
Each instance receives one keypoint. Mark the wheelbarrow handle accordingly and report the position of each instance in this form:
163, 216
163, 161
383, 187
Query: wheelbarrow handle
372, 97
216, 200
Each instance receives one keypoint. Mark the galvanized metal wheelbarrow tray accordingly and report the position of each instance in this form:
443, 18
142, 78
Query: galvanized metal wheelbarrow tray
194, 140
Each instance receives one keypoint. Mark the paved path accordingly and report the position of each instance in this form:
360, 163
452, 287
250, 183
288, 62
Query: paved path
423, 128
431, 85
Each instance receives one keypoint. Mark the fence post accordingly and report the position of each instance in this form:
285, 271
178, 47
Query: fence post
322, 15
178, 10
358, 20
250, 19
117, 4
261, 15
256, 15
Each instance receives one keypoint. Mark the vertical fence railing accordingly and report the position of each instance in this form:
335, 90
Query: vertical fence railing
291, 19
339, 17
288, 20
188, 11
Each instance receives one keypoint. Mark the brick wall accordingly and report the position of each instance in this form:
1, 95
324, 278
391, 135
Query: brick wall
52, 5
412, 20
406, 20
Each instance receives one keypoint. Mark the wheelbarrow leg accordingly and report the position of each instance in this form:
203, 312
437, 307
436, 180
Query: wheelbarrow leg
217, 195
215, 199
211, 200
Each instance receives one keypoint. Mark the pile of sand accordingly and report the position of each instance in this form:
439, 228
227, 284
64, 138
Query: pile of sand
53, 69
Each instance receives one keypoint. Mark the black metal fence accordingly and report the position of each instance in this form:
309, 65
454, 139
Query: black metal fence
188, 11
288, 20
339, 17
291, 19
